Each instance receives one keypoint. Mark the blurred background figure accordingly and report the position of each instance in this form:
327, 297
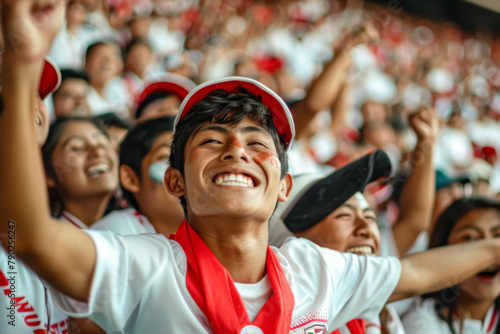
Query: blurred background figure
70, 99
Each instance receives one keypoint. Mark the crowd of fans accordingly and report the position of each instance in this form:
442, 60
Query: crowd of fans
354, 75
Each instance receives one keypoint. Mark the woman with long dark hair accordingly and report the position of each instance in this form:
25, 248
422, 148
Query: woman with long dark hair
471, 306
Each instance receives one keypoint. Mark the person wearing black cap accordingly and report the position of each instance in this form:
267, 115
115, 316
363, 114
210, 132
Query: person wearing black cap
332, 212
217, 274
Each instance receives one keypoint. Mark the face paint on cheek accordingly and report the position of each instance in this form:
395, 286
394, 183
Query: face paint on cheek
264, 156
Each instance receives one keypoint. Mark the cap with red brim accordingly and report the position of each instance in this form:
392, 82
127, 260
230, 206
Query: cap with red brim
170, 83
50, 79
283, 120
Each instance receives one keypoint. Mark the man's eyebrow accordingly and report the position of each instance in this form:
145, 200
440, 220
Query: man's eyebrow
495, 228
213, 127
249, 129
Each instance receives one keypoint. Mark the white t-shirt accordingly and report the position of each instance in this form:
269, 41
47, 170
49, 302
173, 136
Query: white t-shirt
31, 305
422, 318
139, 286
31, 298
124, 222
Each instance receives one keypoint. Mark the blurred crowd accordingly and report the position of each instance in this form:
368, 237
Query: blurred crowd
115, 48
352, 73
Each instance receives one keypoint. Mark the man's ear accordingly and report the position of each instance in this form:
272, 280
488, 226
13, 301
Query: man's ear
286, 184
129, 179
174, 181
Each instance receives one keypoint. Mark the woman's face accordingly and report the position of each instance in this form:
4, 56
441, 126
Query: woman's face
351, 228
84, 162
476, 225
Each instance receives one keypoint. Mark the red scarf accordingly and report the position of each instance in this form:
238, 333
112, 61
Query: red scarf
356, 326
213, 290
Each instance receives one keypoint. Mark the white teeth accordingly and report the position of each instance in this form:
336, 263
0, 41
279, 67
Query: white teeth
361, 250
97, 169
239, 180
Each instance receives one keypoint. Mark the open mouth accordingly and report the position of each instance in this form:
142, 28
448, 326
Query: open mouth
488, 274
233, 179
98, 169
360, 250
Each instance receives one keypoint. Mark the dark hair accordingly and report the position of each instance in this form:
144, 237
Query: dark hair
111, 119
55, 132
137, 144
223, 107
440, 235
148, 100
68, 74
137, 41
96, 44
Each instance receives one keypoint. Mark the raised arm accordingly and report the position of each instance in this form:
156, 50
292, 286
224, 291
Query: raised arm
59, 253
442, 267
417, 197
327, 86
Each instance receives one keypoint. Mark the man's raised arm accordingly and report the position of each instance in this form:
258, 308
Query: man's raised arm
442, 267
59, 253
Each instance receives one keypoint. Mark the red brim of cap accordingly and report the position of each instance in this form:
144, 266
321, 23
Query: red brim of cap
50, 80
283, 120
162, 86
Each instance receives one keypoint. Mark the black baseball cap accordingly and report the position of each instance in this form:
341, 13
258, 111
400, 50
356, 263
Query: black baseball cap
314, 196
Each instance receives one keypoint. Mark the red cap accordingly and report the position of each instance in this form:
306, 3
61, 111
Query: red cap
283, 120
50, 80
171, 83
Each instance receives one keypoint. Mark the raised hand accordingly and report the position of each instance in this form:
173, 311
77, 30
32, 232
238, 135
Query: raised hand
425, 123
30, 26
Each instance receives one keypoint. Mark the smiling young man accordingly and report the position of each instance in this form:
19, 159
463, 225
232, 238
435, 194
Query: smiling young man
217, 275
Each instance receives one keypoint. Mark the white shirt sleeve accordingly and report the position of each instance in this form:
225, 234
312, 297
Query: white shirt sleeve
124, 222
125, 268
349, 286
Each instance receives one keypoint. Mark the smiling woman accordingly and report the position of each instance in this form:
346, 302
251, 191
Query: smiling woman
81, 170
473, 304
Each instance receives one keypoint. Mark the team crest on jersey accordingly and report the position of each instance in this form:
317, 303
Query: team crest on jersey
315, 329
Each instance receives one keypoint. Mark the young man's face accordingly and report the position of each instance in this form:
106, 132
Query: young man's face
232, 171
351, 228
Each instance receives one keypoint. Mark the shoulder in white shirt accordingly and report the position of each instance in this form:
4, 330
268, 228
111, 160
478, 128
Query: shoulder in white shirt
124, 222
139, 286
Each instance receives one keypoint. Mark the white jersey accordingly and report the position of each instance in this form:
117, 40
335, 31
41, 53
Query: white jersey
27, 305
422, 318
139, 286
393, 325
124, 222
